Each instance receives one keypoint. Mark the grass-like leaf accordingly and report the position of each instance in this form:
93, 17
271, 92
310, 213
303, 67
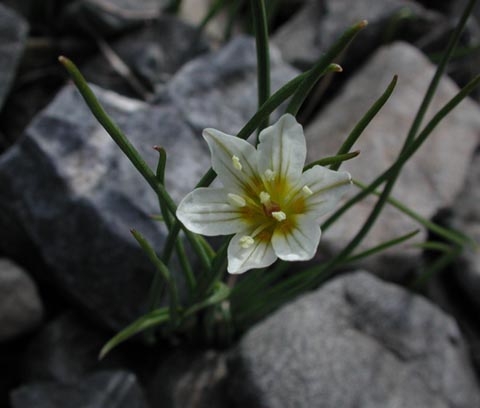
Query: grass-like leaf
321, 66
150, 320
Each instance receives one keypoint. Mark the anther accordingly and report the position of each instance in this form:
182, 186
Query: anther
246, 241
236, 200
279, 215
236, 162
307, 191
264, 197
269, 175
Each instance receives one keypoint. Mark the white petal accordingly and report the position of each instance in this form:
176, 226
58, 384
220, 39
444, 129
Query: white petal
327, 187
233, 159
282, 149
206, 211
298, 243
258, 255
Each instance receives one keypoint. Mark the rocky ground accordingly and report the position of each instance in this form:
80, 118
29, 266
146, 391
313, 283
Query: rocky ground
71, 274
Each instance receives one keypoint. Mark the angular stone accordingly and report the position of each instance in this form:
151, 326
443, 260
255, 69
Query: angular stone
106, 389
466, 218
359, 342
189, 378
13, 34
432, 177
21, 308
68, 189
153, 53
311, 31
220, 90
65, 351
110, 16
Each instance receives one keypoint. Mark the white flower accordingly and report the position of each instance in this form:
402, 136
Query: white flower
266, 201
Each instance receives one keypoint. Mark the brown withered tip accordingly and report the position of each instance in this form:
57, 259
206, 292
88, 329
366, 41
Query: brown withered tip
158, 148
363, 23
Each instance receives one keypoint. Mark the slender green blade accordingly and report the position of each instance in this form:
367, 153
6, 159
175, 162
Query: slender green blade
152, 319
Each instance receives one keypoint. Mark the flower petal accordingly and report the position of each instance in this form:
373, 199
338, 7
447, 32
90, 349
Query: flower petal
282, 149
206, 211
299, 242
327, 188
233, 159
240, 259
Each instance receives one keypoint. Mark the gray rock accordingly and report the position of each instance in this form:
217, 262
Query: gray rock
220, 90
110, 16
21, 308
106, 389
189, 378
13, 34
68, 189
429, 181
466, 218
311, 31
65, 351
356, 342
153, 53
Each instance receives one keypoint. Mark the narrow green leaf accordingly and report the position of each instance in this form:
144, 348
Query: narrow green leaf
165, 273
162, 162
380, 248
331, 160
146, 322
213, 11
220, 293
157, 217
411, 149
233, 12
437, 266
157, 284
263, 54
365, 121
434, 246
319, 68
453, 236
129, 150
452, 43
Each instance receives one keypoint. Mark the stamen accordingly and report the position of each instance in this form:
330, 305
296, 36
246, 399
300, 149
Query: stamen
264, 197
307, 191
236, 163
269, 175
279, 215
236, 200
246, 241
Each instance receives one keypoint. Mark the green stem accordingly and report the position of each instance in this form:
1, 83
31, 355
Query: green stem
263, 55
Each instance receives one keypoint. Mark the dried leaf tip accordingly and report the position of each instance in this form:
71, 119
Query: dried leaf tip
336, 68
362, 24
